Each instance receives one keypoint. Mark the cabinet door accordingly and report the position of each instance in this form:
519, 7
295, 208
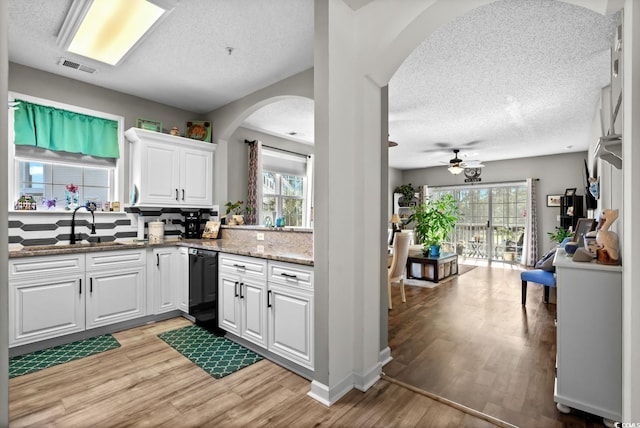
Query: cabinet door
114, 297
159, 174
291, 324
163, 279
182, 279
196, 177
41, 309
229, 303
254, 311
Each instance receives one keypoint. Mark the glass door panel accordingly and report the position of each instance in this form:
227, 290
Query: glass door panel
492, 227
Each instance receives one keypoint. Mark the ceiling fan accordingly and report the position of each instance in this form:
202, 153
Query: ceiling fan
457, 165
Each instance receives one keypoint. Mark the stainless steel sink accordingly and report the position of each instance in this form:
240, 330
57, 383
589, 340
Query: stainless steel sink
67, 246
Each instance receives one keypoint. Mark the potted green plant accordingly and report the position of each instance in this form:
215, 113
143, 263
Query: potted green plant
433, 221
559, 234
408, 193
236, 210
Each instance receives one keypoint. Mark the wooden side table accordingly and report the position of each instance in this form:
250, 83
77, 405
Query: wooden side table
443, 266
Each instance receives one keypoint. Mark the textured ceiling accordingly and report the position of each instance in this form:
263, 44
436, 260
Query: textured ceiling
184, 62
518, 77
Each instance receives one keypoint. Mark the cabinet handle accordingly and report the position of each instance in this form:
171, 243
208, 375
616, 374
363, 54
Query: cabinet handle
91, 285
183, 194
176, 194
80, 285
286, 275
241, 295
269, 299
240, 266
157, 260
235, 288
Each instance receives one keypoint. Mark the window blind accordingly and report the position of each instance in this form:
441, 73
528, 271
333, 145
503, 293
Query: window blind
283, 163
61, 130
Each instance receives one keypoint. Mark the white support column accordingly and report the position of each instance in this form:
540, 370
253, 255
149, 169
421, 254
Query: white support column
4, 243
347, 209
631, 210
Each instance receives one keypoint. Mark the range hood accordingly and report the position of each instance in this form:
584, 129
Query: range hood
609, 148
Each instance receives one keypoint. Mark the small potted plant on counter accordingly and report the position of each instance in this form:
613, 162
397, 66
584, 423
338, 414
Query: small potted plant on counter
433, 221
235, 209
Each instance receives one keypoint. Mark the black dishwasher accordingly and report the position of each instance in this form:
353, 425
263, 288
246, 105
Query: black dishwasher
203, 288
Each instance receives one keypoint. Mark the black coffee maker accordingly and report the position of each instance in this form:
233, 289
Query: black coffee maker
191, 224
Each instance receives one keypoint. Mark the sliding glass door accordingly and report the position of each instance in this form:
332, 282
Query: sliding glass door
493, 222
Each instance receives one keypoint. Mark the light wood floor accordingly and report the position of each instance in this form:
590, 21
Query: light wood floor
470, 340
145, 383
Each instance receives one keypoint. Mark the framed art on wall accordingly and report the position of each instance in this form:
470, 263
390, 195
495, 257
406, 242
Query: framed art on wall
553, 200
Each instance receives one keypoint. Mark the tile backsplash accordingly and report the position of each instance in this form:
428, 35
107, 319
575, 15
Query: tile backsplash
52, 227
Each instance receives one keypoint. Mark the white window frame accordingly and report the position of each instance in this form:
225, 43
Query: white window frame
279, 197
117, 189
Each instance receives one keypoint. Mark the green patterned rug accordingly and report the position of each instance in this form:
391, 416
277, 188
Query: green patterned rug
216, 355
39, 360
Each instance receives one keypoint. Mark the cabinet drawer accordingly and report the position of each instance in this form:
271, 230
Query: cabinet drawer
291, 274
248, 266
46, 265
115, 259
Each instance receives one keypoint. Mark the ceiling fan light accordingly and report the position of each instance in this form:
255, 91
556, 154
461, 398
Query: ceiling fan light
455, 169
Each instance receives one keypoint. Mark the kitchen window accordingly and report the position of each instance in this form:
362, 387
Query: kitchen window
283, 196
43, 175
285, 188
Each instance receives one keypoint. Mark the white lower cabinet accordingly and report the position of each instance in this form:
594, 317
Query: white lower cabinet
51, 296
291, 324
42, 308
162, 271
114, 296
290, 304
277, 313
242, 286
182, 279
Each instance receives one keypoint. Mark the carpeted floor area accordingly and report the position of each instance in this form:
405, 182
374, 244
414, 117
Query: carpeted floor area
216, 355
39, 360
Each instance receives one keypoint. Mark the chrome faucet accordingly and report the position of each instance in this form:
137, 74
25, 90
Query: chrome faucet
91, 207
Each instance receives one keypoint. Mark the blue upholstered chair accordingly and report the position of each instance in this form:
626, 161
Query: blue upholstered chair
540, 276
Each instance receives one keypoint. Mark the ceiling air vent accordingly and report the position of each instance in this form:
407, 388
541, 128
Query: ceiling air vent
76, 66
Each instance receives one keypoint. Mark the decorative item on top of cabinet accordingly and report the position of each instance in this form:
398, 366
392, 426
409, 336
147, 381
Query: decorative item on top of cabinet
199, 130
171, 171
149, 125
609, 253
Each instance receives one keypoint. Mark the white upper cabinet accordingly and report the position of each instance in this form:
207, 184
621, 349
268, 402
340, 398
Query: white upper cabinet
170, 171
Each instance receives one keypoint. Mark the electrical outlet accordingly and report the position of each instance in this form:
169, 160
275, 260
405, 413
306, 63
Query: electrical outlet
260, 236
260, 249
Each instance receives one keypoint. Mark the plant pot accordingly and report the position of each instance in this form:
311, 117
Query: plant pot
238, 219
434, 251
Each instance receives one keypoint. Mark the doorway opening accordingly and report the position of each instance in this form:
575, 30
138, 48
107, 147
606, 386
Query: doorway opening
494, 221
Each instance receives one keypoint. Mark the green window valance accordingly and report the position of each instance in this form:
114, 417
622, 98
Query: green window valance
62, 130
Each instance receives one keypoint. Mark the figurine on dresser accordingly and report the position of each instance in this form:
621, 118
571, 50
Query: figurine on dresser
609, 251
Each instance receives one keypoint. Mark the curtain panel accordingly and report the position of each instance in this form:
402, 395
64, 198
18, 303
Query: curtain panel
530, 253
255, 172
62, 130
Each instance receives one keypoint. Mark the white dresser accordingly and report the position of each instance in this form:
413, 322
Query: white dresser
589, 337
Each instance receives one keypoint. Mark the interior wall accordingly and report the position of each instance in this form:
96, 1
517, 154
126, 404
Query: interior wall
395, 180
556, 173
29, 81
4, 277
238, 158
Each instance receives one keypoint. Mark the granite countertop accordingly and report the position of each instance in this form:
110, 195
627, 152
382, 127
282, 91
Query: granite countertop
281, 253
